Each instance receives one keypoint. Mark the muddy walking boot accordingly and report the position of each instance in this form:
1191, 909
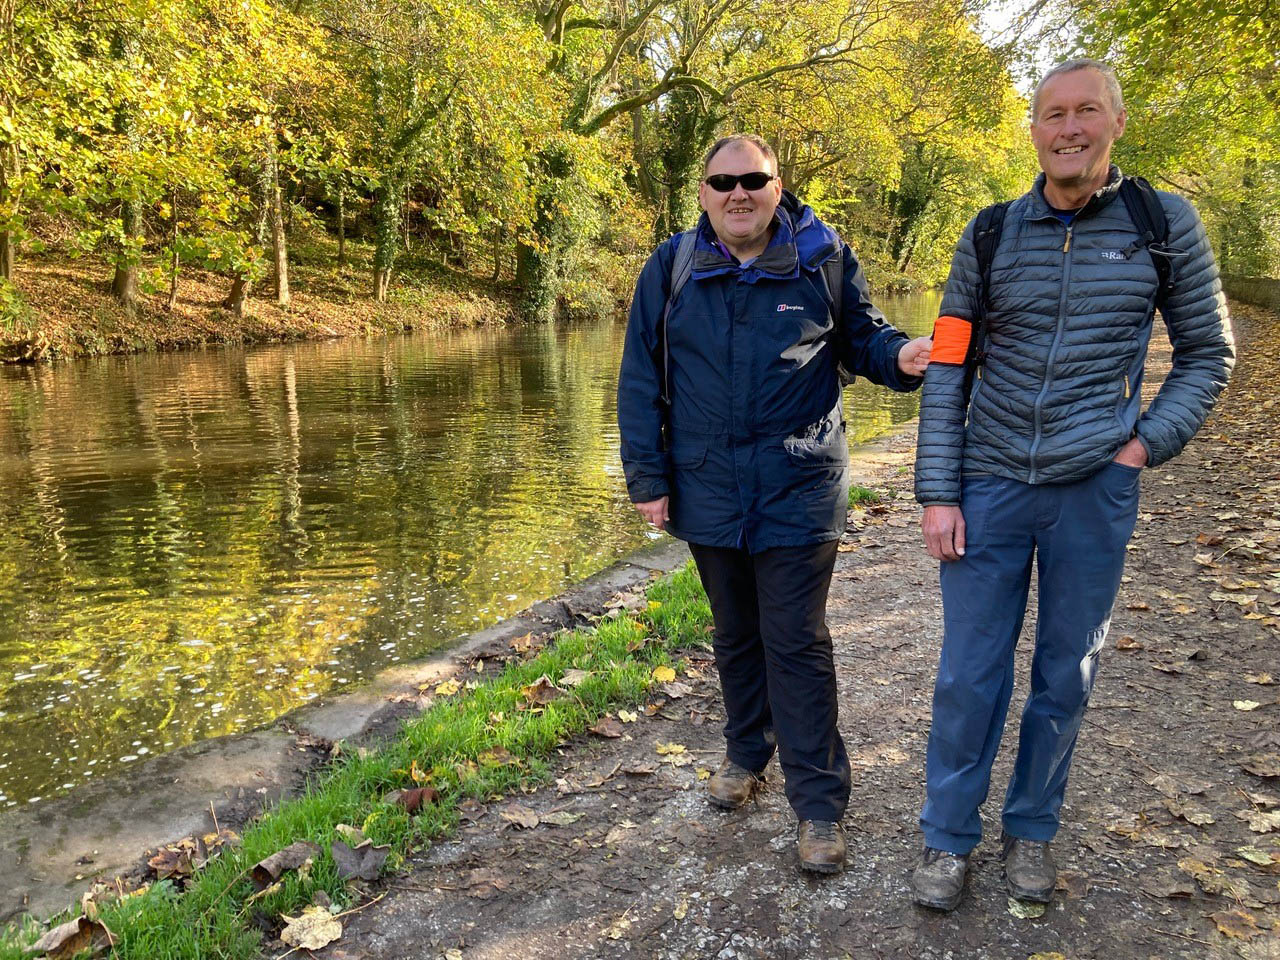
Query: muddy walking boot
1028, 869
820, 845
731, 786
938, 880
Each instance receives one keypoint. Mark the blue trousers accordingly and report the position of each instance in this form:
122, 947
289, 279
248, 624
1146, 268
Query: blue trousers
1077, 534
773, 653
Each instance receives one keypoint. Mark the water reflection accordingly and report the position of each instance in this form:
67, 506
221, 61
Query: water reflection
191, 544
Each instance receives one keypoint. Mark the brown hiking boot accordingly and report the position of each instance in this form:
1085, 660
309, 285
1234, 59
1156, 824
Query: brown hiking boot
731, 786
938, 880
821, 846
1028, 869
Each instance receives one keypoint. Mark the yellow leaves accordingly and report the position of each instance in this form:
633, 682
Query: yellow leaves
1246, 705
448, 688
1025, 909
663, 674
681, 909
1235, 924
670, 749
628, 716
675, 754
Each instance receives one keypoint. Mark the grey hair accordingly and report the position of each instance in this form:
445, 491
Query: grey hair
733, 139
1083, 63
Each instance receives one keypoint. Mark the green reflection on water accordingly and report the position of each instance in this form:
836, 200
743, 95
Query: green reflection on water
195, 543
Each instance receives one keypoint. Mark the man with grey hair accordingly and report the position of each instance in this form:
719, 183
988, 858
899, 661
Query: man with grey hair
733, 439
1032, 444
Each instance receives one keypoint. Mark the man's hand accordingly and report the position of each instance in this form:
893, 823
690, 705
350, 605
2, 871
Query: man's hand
655, 511
1132, 454
943, 528
914, 356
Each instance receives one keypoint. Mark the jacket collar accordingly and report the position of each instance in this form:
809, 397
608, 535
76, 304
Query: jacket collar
799, 239
1038, 207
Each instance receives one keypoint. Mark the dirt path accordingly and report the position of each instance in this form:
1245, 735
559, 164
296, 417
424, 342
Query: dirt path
1160, 806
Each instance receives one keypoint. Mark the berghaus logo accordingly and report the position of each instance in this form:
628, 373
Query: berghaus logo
784, 307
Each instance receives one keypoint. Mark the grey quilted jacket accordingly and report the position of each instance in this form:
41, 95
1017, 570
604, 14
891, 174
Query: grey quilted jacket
1068, 323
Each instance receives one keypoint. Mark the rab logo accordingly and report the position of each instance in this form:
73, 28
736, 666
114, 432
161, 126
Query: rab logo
784, 307
1113, 255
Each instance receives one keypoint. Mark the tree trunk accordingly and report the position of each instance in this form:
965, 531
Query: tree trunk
237, 296
124, 284
173, 254
279, 245
497, 255
386, 215
8, 173
342, 225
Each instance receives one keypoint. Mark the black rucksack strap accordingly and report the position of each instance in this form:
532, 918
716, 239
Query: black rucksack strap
1149, 219
833, 277
987, 227
681, 270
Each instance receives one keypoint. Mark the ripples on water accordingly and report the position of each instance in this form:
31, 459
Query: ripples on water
192, 544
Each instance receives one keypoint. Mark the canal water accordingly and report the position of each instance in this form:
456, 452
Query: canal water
192, 544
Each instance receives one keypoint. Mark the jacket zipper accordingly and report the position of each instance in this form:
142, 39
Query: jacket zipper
1053, 352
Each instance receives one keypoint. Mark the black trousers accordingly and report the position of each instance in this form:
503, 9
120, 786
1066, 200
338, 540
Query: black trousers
773, 651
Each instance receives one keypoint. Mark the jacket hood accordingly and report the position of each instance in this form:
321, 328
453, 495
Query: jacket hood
800, 240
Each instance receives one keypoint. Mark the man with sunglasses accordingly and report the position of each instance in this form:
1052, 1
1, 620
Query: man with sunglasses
733, 439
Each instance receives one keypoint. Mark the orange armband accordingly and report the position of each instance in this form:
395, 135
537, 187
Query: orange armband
951, 337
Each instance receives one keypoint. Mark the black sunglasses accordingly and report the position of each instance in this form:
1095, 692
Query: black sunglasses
724, 182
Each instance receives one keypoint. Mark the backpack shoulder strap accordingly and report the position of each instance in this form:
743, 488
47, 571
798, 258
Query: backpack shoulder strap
1148, 216
681, 270
833, 277
987, 228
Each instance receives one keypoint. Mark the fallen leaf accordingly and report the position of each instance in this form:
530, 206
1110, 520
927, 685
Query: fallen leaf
353, 835
1074, 885
640, 769
682, 909
363, 862
608, 727
1165, 784
1235, 924
663, 674
1194, 815
268, 870
703, 773
668, 749
496, 756
628, 716
413, 799
1268, 949
1246, 705
315, 928
675, 690
1184, 609
1055, 955
1139, 605
573, 678
1262, 679
1262, 858
618, 832
1168, 882
1128, 643
519, 815
1264, 822
1025, 909
560, 818
542, 691
171, 861
448, 688
68, 939
483, 883
1204, 559
1263, 765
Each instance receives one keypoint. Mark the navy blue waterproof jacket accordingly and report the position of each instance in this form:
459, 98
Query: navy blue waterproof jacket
752, 450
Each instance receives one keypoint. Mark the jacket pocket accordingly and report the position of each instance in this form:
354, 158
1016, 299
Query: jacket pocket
820, 444
688, 454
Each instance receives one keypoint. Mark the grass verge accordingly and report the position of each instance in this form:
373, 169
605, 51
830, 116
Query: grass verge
453, 746
862, 496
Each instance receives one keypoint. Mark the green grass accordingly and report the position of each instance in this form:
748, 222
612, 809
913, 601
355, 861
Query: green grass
862, 496
213, 917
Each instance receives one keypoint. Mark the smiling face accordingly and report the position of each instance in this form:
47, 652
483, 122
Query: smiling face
741, 218
1074, 127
